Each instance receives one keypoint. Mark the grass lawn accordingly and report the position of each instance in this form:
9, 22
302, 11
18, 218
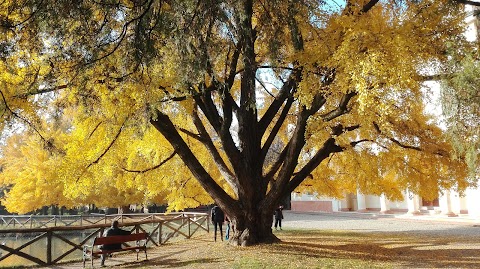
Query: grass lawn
321, 249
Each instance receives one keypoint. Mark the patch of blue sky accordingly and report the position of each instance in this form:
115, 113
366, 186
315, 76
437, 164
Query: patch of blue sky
325, 9
333, 6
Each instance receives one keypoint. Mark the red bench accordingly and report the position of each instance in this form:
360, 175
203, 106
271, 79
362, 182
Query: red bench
140, 239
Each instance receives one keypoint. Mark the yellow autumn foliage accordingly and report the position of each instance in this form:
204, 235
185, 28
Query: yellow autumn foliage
81, 96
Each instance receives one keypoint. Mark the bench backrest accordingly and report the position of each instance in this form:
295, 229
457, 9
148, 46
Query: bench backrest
116, 239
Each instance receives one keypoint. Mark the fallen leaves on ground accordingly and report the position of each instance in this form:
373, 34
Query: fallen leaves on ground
321, 249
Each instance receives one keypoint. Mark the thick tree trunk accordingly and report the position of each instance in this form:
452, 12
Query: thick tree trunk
250, 228
124, 209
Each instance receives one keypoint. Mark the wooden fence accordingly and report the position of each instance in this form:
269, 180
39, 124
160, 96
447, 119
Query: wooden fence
160, 227
45, 221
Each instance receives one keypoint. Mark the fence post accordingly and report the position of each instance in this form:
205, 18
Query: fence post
159, 237
189, 227
49, 247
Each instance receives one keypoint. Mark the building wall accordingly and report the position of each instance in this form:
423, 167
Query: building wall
398, 206
451, 203
312, 206
372, 202
473, 202
313, 203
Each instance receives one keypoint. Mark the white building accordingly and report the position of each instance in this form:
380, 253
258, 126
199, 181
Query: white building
450, 203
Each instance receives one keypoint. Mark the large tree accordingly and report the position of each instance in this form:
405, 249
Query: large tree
253, 97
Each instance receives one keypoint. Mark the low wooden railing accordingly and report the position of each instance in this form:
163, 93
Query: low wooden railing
44, 221
160, 227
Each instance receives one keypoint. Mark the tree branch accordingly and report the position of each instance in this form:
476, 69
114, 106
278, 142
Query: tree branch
153, 167
278, 163
328, 147
9, 25
354, 143
206, 140
165, 126
221, 127
14, 114
287, 89
205, 102
466, 2
46, 90
233, 65
192, 135
341, 108
369, 5
94, 129
122, 35
273, 133
109, 146
395, 141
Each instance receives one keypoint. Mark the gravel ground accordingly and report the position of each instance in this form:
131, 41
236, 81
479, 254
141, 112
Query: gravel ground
370, 222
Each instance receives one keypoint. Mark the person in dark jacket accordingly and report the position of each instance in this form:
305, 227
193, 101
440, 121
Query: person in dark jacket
218, 217
278, 217
113, 230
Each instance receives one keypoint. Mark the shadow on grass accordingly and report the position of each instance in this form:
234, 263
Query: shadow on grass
175, 263
404, 250
320, 249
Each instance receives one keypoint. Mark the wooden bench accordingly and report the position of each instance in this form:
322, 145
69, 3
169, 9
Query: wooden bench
89, 251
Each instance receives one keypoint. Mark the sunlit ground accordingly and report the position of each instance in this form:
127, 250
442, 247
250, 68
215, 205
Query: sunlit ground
321, 249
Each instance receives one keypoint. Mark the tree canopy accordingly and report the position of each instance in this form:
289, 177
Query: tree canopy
461, 108
233, 102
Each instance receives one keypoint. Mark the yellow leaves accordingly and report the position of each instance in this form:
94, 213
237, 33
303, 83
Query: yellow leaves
403, 153
30, 171
112, 156
101, 166
377, 54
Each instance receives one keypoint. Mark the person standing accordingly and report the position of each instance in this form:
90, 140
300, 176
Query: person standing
218, 217
227, 231
278, 217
